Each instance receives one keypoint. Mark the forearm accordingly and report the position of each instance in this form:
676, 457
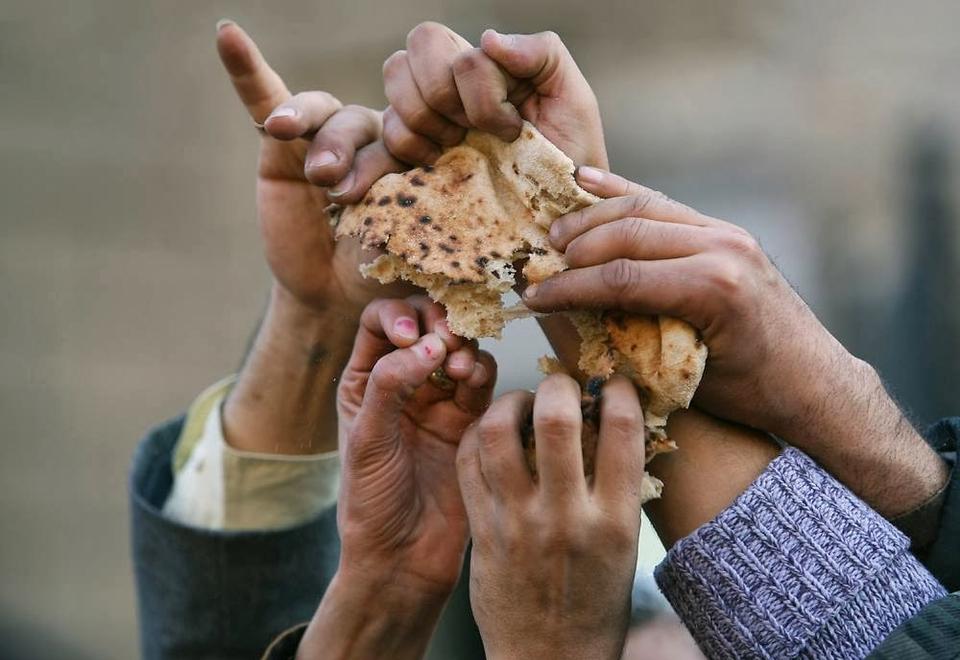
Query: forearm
858, 433
715, 463
359, 618
794, 568
284, 401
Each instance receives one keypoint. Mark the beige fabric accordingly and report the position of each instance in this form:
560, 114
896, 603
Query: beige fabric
221, 488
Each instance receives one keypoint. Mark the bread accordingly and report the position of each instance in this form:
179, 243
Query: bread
457, 228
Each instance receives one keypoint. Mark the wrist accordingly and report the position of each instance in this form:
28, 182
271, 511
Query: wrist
852, 426
285, 396
365, 616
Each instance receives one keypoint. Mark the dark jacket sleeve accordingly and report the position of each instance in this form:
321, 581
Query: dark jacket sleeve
222, 594
932, 634
942, 555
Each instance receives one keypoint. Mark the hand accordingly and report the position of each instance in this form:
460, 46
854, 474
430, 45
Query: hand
772, 364
309, 140
441, 85
401, 517
553, 561
641, 252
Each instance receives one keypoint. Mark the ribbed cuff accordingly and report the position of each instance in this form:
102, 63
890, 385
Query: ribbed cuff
797, 566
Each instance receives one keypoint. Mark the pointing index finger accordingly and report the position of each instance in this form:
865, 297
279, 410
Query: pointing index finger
258, 86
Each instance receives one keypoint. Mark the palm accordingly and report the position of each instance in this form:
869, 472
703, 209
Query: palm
409, 495
298, 241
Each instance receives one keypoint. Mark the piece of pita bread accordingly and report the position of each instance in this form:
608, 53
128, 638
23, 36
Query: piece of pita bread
456, 229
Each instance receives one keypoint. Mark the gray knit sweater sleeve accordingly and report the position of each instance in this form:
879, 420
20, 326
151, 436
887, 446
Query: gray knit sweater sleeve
796, 567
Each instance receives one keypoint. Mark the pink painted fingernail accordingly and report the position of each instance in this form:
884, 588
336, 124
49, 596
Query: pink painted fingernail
406, 327
590, 175
428, 348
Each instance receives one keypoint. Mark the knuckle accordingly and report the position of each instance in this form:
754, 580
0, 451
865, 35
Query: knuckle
392, 64
618, 275
424, 32
623, 419
726, 277
642, 201
496, 424
634, 231
419, 118
387, 375
742, 243
557, 421
468, 61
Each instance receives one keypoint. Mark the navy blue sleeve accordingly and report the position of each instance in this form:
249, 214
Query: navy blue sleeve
225, 594
942, 555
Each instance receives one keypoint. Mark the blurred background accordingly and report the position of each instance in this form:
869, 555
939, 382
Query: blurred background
131, 275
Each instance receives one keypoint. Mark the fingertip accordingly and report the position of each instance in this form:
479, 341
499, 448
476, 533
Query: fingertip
430, 349
404, 332
479, 377
460, 364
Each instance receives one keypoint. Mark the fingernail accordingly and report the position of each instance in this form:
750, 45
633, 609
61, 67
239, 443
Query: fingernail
406, 327
459, 361
531, 291
283, 111
324, 158
343, 187
590, 175
428, 348
479, 375
224, 22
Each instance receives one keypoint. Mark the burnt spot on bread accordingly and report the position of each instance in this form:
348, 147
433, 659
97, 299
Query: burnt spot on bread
481, 261
383, 201
368, 201
516, 170
528, 135
453, 238
446, 248
406, 200
465, 178
424, 248
686, 375
367, 221
427, 168
416, 181
495, 255
437, 228
539, 251
455, 264
425, 219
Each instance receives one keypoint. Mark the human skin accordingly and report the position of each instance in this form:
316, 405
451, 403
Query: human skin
772, 365
553, 557
402, 523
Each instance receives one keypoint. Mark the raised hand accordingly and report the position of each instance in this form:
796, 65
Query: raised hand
401, 515
313, 151
772, 364
553, 560
441, 84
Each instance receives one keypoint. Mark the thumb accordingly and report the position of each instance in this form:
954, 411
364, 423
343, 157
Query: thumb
393, 381
541, 58
607, 184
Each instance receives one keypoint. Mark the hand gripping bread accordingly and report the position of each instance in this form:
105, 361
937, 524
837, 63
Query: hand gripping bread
457, 228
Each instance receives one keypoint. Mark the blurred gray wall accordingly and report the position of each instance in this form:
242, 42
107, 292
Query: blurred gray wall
130, 270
